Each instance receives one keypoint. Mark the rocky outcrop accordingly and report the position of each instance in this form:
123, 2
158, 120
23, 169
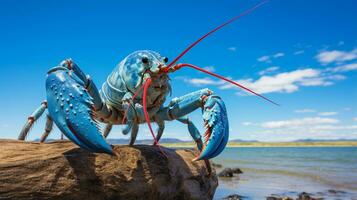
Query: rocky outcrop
229, 172
279, 198
301, 196
60, 170
233, 197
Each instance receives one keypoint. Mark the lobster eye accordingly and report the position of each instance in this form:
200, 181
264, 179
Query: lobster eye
166, 59
145, 60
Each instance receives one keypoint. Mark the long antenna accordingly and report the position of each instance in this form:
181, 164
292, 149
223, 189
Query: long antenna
214, 30
223, 78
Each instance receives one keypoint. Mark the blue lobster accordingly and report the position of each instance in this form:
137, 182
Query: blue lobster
133, 93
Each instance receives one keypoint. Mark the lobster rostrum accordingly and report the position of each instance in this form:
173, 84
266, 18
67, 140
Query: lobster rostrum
134, 93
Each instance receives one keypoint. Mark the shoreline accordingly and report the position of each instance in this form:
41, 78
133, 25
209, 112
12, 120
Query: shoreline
327, 173
236, 144
273, 144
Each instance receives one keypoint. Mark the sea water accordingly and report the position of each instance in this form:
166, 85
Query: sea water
329, 172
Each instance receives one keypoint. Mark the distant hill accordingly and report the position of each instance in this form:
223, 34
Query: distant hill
239, 140
176, 141
324, 140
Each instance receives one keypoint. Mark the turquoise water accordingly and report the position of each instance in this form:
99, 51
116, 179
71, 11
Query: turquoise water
290, 170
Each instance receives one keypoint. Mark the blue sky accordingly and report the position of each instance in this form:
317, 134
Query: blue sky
301, 54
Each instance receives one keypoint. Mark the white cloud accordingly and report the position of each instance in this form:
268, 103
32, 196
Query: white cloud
345, 68
210, 68
232, 48
277, 55
299, 122
267, 58
203, 81
327, 113
299, 52
247, 123
305, 110
268, 70
336, 77
333, 127
316, 82
264, 59
308, 127
286, 82
327, 57
355, 119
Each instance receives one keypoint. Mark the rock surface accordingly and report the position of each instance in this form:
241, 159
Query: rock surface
60, 170
301, 196
237, 170
279, 198
307, 196
229, 172
226, 172
233, 197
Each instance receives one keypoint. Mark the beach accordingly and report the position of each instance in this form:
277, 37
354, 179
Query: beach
327, 172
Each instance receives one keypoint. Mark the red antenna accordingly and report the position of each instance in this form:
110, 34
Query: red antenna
146, 114
178, 66
211, 32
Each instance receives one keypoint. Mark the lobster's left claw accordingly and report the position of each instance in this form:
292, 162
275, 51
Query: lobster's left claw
217, 128
70, 106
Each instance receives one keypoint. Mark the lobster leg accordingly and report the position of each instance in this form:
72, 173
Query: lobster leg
160, 130
134, 133
107, 130
31, 120
130, 113
135, 116
195, 134
214, 116
48, 128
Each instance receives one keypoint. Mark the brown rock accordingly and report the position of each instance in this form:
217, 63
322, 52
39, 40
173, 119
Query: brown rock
237, 170
226, 172
233, 197
307, 196
278, 198
60, 170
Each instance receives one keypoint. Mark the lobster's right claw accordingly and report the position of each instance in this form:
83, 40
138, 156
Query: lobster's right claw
70, 106
217, 128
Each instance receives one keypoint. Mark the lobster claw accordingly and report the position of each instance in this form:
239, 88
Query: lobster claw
70, 106
217, 128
